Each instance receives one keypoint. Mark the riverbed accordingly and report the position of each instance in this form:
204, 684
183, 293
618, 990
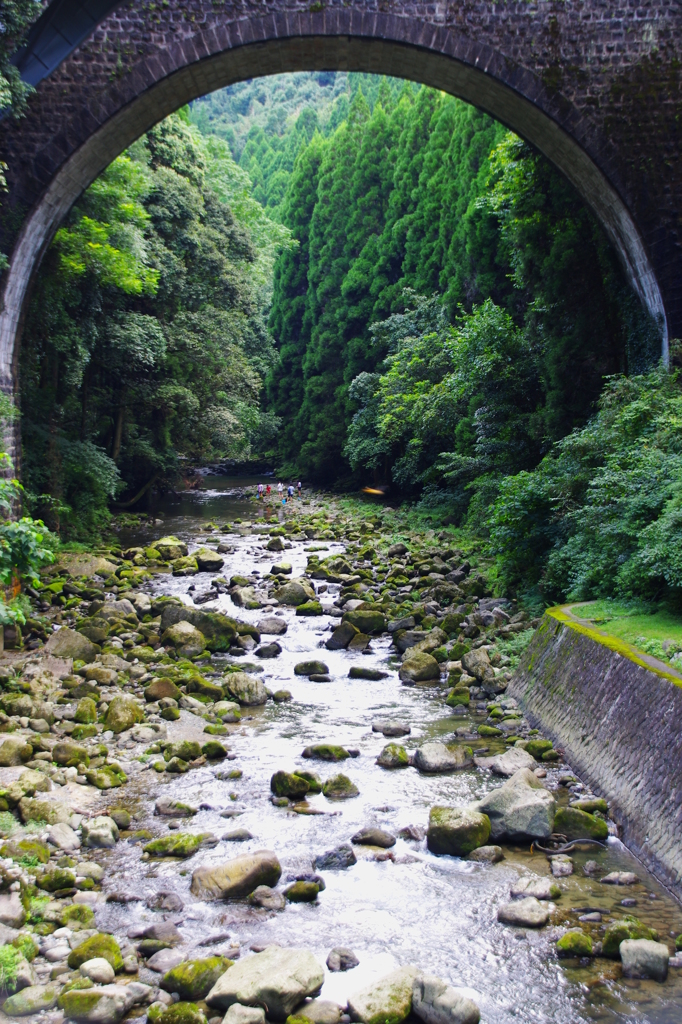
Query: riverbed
438, 913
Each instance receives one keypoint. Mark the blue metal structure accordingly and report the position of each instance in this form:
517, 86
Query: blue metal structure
58, 31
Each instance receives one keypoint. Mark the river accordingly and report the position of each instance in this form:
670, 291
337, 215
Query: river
438, 913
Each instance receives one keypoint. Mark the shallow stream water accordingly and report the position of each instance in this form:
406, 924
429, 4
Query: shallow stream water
438, 913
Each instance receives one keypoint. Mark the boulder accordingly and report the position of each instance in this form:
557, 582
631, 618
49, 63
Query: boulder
528, 913
326, 752
97, 946
367, 621
194, 979
386, 1001
576, 824
67, 643
247, 690
340, 787
575, 943
100, 833
14, 751
238, 1014
456, 831
436, 1002
341, 637
341, 959
103, 675
510, 762
123, 714
643, 958
477, 664
295, 592
208, 560
279, 978
487, 855
272, 625
49, 811
420, 667
186, 638
64, 838
160, 688
171, 807
393, 756
267, 898
311, 668
522, 807
373, 837
12, 913
626, 928
106, 1005
170, 548
219, 631
335, 860
436, 757
32, 1000
98, 970
236, 878
540, 888
69, 753
86, 711
320, 1011
292, 786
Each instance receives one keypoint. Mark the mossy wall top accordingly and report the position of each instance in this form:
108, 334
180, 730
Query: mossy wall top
618, 723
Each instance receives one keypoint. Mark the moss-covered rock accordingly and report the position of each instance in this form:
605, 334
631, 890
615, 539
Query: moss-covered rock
32, 1000
393, 755
627, 928
489, 731
302, 892
311, 668
84, 732
312, 778
456, 831
29, 852
186, 750
170, 548
123, 714
109, 776
79, 912
97, 945
55, 879
292, 786
199, 685
576, 824
326, 752
214, 751
458, 695
340, 787
160, 688
537, 748
366, 621
86, 711
574, 943
182, 1013
69, 754
194, 979
178, 844
309, 608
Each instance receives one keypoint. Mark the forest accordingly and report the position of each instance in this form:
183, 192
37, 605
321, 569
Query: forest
357, 280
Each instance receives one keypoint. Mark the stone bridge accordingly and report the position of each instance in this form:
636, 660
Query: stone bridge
594, 84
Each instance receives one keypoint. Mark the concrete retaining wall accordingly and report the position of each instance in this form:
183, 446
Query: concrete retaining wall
619, 723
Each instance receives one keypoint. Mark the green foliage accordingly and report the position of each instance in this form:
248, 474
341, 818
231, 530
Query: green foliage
10, 958
601, 513
146, 342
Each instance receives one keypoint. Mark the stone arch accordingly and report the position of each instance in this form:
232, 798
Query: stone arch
80, 123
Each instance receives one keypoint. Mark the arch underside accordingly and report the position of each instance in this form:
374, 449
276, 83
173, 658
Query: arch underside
473, 82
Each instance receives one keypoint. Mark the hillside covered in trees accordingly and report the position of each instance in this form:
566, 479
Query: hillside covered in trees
362, 281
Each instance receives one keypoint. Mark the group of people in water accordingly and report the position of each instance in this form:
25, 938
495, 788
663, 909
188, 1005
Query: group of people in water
264, 491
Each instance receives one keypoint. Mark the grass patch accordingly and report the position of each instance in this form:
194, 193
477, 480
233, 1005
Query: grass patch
654, 629
514, 646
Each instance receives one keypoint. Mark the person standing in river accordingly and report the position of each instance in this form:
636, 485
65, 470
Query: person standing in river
299, 485
280, 488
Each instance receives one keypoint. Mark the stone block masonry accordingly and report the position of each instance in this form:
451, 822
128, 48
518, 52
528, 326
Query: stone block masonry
617, 718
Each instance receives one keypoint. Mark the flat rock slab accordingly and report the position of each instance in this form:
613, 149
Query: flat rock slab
540, 888
527, 913
278, 978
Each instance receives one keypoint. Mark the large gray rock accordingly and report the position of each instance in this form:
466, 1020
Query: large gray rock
100, 833
540, 888
388, 999
278, 979
236, 878
436, 757
644, 958
272, 625
12, 913
238, 1014
435, 1002
67, 643
528, 913
14, 750
521, 807
295, 592
512, 761
477, 664
247, 690
456, 831
64, 838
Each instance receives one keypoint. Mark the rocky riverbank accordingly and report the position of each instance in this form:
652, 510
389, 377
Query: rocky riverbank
214, 656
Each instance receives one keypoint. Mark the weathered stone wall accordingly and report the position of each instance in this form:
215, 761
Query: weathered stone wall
618, 723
